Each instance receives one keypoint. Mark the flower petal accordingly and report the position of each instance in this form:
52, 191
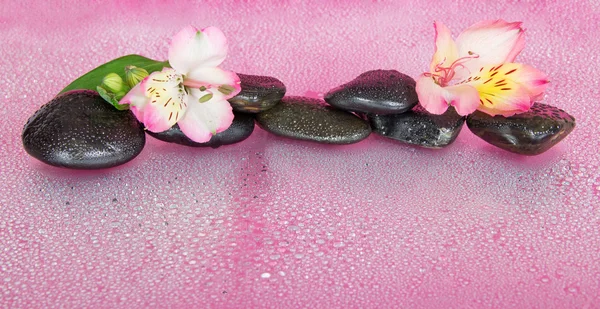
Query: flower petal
505, 103
431, 95
202, 120
508, 88
191, 48
534, 81
464, 98
446, 51
436, 99
137, 100
225, 84
167, 100
494, 41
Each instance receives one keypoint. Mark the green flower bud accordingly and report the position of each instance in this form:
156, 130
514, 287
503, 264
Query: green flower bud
113, 83
134, 75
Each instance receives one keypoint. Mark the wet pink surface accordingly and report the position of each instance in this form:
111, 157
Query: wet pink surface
272, 222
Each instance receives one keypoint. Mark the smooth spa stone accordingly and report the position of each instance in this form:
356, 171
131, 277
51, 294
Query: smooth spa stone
310, 119
376, 92
530, 133
259, 93
419, 127
241, 128
79, 130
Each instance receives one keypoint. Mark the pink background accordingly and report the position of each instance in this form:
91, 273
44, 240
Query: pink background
272, 222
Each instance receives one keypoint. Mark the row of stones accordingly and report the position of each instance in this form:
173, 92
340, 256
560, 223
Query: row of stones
79, 130
387, 100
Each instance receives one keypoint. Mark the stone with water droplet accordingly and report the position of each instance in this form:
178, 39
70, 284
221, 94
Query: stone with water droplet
376, 92
241, 128
79, 130
419, 127
312, 120
530, 133
259, 93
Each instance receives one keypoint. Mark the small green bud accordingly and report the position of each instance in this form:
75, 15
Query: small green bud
134, 75
113, 83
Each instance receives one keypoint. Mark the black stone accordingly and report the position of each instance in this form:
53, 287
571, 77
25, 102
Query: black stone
419, 127
312, 120
79, 130
241, 127
530, 133
376, 92
259, 93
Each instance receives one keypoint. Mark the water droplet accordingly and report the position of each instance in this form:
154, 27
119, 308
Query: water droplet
572, 289
265, 275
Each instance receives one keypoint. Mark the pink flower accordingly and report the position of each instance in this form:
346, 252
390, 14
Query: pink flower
476, 72
193, 93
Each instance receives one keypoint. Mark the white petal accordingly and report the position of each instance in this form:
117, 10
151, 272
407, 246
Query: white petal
192, 48
214, 78
494, 41
202, 120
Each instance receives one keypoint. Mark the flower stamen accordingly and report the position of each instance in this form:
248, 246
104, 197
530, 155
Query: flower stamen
449, 72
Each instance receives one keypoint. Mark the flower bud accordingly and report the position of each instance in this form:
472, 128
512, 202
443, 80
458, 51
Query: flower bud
134, 75
113, 83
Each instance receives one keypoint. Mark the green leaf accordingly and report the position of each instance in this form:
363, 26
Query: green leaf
93, 78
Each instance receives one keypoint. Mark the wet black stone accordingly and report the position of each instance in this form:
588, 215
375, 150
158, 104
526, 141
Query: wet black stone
419, 127
376, 92
240, 129
259, 93
79, 130
530, 133
311, 119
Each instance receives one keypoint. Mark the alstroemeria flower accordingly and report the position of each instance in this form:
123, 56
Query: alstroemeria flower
476, 72
193, 93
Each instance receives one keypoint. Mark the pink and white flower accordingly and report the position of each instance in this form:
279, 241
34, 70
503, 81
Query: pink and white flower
477, 72
193, 93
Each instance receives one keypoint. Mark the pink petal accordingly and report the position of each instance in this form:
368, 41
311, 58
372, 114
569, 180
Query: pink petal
137, 101
213, 78
446, 51
494, 41
431, 95
464, 98
202, 120
155, 120
191, 49
534, 81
